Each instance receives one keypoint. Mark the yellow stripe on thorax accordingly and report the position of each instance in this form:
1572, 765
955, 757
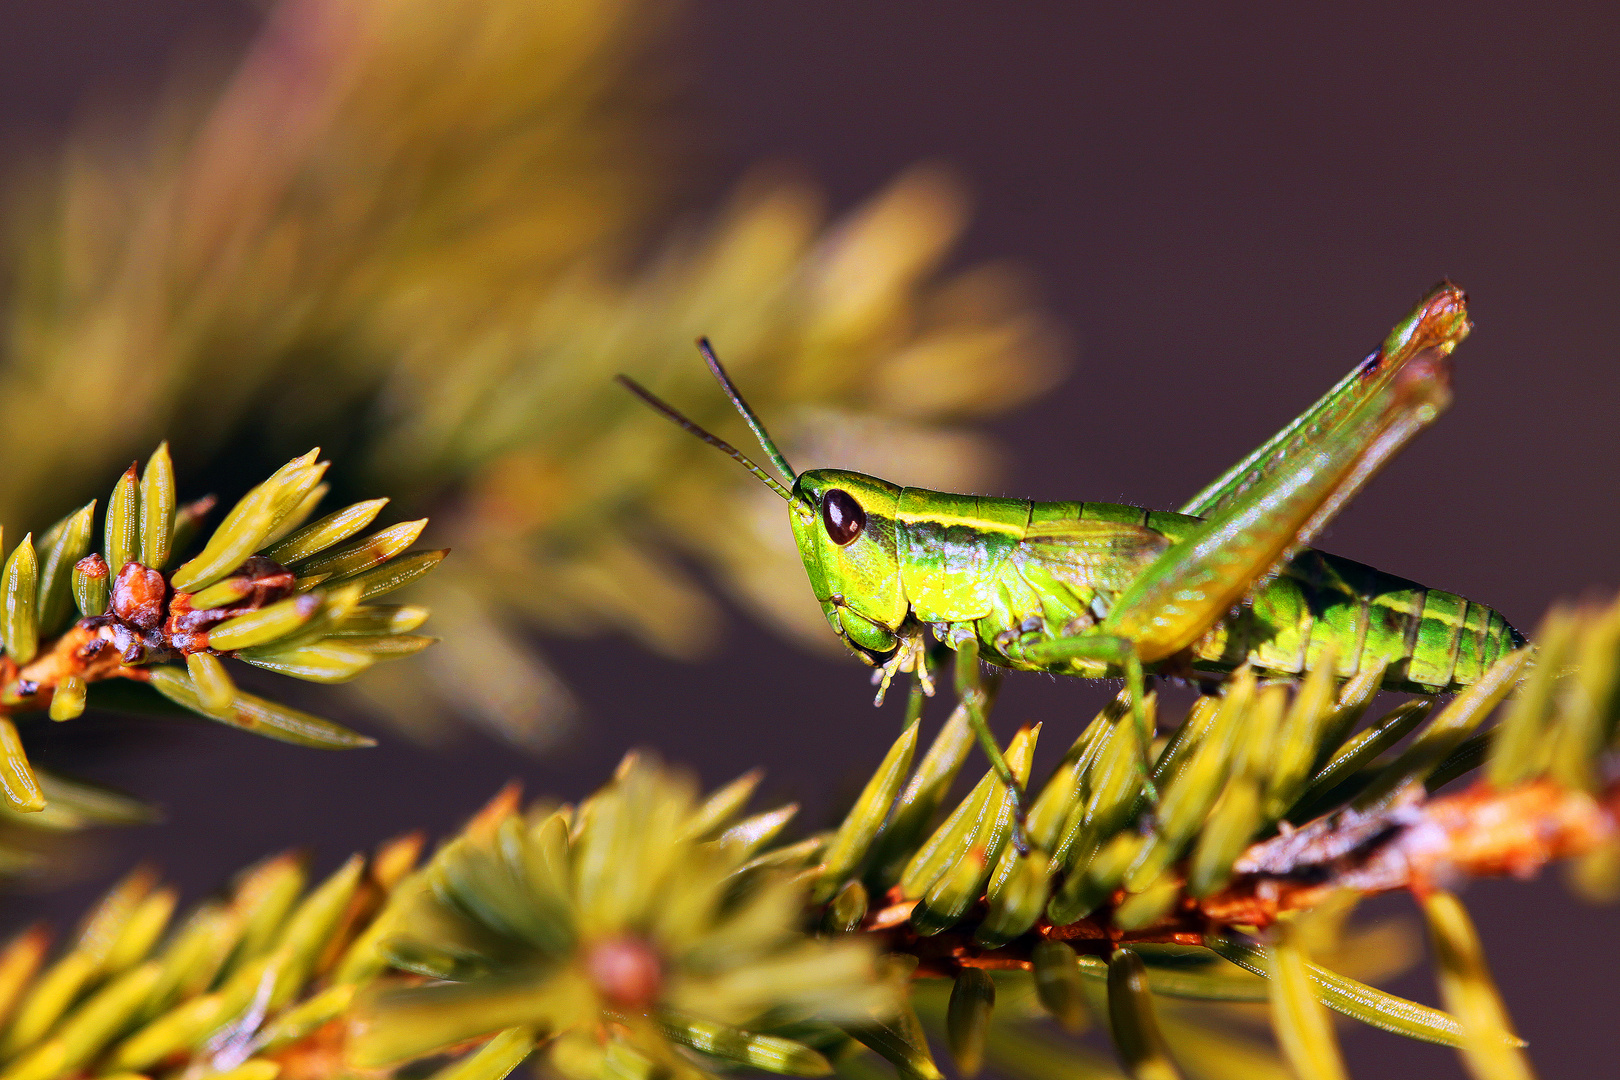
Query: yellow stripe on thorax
949, 548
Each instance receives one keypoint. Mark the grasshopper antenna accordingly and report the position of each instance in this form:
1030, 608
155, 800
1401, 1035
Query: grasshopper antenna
742, 406
713, 440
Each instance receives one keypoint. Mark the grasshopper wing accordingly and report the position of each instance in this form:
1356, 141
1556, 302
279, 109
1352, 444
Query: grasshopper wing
1101, 556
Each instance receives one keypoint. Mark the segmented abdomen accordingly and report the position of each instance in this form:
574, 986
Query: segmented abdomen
1432, 641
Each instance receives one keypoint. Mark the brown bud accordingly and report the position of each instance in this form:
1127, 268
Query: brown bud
268, 581
138, 594
92, 565
626, 971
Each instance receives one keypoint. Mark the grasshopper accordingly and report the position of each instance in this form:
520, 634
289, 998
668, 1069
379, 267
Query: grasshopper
1102, 590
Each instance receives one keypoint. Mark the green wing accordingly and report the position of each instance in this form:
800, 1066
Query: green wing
1101, 555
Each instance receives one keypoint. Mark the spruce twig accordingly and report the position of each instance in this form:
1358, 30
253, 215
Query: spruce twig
172, 628
656, 930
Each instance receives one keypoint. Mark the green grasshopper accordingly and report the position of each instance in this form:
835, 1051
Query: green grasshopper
1102, 590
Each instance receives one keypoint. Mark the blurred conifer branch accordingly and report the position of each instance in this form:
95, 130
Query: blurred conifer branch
362, 155
48, 844
653, 931
271, 586
572, 490
426, 232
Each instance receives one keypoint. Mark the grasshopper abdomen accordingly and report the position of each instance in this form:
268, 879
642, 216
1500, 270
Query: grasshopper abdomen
1041, 572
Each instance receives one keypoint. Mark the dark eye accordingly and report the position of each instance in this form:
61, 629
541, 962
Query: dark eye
843, 516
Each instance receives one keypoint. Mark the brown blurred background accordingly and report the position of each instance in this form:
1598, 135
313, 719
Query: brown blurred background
1227, 209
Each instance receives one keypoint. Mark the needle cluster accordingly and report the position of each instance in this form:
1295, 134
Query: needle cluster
271, 586
654, 932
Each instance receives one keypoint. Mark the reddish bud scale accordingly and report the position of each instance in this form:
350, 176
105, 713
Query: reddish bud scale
138, 594
626, 971
265, 582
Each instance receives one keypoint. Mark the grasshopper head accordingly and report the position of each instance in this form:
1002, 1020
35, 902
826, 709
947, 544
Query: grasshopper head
843, 523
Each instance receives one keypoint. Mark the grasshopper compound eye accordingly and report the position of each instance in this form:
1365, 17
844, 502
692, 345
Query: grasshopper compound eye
842, 516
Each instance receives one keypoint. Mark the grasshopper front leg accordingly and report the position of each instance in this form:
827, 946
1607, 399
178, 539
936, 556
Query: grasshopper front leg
971, 692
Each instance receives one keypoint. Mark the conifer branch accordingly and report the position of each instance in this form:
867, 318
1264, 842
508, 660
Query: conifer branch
656, 930
268, 587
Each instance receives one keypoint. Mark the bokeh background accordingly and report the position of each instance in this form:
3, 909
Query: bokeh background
1223, 210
